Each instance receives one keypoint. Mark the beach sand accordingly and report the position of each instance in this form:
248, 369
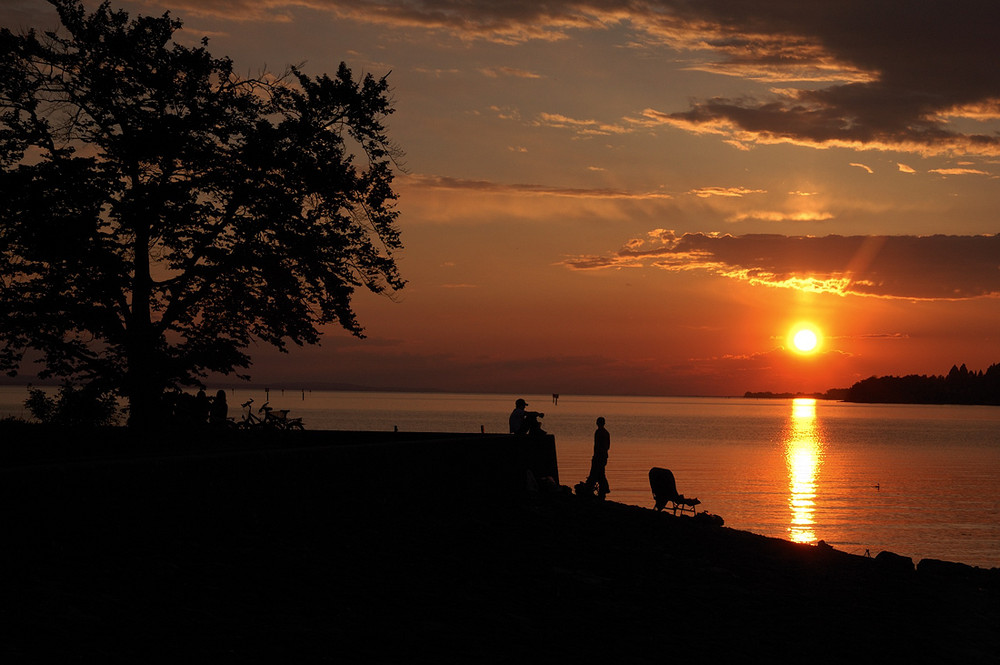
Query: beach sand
286, 569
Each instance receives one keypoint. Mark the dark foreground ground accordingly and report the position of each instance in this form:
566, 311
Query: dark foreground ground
170, 560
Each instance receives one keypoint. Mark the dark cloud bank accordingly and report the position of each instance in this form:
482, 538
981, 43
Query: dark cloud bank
882, 74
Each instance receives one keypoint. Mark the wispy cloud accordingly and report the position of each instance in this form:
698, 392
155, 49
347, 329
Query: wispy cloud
489, 187
504, 23
960, 171
506, 112
729, 192
581, 127
781, 216
437, 72
498, 72
862, 166
909, 267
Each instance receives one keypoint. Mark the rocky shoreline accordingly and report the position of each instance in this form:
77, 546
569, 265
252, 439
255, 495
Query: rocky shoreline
287, 570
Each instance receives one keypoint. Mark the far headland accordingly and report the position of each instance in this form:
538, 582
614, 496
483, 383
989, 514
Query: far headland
960, 386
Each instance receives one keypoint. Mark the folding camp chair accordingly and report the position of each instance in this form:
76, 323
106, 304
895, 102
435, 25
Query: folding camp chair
661, 481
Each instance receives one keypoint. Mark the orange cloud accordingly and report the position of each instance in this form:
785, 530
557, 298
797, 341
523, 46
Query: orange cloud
959, 172
909, 267
582, 127
732, 192
781, 216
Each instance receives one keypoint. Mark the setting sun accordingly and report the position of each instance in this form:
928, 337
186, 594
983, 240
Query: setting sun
805, 340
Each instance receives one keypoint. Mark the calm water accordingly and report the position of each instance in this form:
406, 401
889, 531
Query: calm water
922, 481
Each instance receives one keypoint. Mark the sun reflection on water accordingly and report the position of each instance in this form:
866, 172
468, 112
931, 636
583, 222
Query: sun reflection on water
802, 454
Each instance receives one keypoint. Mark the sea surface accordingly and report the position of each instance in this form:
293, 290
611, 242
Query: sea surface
922, 481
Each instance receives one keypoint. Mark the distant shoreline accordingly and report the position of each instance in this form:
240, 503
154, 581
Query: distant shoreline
860, 393
351, 388
838, 394
961, 386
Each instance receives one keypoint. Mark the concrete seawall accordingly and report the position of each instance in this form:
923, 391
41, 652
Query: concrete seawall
51, 477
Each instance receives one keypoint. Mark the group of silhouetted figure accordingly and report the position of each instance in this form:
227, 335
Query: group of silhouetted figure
525, 423
199, 409
661, 481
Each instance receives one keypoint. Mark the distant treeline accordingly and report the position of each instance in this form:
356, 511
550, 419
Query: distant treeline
832, 393
960, 386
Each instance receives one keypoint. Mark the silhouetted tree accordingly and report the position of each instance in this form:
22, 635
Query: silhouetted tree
72, 406
160, 213
960, 386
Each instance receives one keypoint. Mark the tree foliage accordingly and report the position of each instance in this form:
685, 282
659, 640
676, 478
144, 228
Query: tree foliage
161, 213
73, 406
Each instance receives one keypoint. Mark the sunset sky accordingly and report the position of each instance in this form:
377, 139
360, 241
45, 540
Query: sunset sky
646, 197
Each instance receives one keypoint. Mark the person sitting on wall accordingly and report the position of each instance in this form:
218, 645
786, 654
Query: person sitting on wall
524, 422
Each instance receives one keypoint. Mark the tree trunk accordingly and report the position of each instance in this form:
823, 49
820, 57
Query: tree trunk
144, 388
144, 395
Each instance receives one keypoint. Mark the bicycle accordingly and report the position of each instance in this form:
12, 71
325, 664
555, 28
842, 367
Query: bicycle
273, 419
278, 419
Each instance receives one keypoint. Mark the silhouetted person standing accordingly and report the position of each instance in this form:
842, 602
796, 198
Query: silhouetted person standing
220, 409
598, 476
202, 406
